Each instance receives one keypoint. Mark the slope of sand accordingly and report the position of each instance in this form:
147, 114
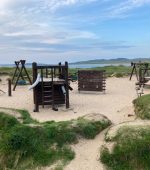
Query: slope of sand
116, 104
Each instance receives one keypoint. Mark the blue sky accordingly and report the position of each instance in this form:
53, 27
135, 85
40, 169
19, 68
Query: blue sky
50, 31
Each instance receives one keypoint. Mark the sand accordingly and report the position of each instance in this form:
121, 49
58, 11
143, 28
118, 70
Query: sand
115, 103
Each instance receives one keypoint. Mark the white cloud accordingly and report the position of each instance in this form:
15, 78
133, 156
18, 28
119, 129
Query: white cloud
122, 8
54, 4
41, 23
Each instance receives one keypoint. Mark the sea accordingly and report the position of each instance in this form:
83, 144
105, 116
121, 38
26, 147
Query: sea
77, 66
95, 65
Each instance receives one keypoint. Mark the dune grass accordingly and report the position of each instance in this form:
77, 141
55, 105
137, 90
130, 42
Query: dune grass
6, 70
142, 106
24, 147
131, 150
28, 146
25, 116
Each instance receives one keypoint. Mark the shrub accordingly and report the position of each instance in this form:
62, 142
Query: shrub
131, 150
142, 106
7, 121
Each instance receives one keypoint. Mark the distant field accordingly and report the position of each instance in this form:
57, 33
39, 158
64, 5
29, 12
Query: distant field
118, 71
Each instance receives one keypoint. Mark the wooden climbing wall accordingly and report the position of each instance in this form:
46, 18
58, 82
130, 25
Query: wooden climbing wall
91, 80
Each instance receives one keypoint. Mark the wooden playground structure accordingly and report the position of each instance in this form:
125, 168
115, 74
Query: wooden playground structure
144, 75
142, 72
51, 85
136, 69
91, 80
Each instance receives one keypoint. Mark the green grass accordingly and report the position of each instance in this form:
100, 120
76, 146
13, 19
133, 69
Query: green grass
7, 121
118, 71
25, 116
142, 106
131, 150
90, 129
6, 70
27, 147
30, 144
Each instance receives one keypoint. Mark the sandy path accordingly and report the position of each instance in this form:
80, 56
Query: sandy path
87, 154
88, 151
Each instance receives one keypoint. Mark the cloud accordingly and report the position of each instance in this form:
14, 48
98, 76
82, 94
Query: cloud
54, 4
55, 26
122, 9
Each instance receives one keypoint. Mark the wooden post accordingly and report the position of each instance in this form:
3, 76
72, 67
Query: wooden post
133, 68
136, 73
23, 66
42, 88
141, 82
67, 84
34, 70
17, 67
9, 87
20, 73
53, 90
46, 72
60, 72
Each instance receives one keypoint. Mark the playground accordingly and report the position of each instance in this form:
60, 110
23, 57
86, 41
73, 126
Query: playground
113, 100
118, 96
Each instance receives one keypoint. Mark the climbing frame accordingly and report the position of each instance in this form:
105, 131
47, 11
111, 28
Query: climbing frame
53, 88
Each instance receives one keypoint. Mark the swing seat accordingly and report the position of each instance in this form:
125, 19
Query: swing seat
21, 82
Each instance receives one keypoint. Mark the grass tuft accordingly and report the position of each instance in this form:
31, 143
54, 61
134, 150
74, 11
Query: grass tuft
131, 150
7, 121
26, 117
142, 106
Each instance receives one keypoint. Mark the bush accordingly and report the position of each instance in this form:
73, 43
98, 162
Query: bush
119, 75
89, 129
30, 143
142, 106
131, 150
7, 121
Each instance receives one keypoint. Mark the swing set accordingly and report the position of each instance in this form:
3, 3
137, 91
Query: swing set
20, 69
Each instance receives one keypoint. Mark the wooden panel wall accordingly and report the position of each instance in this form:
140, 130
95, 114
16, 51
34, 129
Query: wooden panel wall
91, 80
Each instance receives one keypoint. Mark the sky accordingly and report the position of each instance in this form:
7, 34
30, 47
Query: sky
49, 31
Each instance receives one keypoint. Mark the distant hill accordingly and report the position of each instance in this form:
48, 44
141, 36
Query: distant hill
113, 61
96, 61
